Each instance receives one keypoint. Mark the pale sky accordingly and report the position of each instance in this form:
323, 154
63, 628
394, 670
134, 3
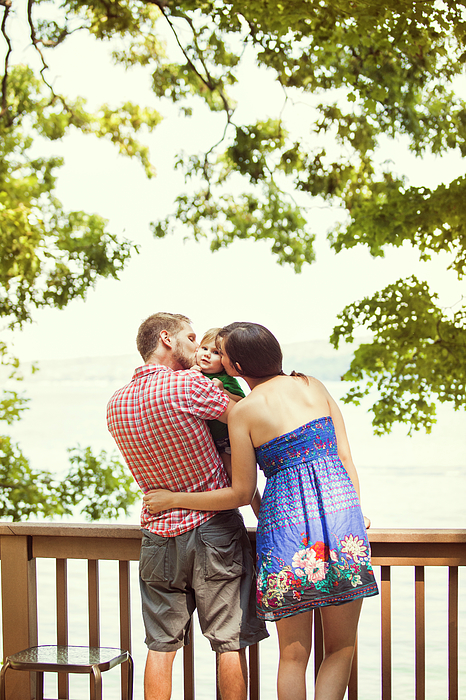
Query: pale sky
242, 282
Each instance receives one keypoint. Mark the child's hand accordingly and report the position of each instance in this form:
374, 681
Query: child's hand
218, 383
197, 368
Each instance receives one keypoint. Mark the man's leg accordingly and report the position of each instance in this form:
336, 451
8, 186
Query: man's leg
158, 675
233, 675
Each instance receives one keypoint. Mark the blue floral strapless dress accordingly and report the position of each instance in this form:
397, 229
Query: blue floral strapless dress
312, 545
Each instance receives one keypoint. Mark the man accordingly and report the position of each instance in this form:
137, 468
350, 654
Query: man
188, 559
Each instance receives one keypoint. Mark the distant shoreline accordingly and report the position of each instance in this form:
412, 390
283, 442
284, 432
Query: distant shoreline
315, 357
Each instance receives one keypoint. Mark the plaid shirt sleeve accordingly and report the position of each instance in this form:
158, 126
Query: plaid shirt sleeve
200, 397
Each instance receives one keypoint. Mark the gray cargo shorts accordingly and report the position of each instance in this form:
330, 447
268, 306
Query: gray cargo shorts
209, 568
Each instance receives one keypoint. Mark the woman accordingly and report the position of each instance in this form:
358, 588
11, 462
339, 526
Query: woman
312, 543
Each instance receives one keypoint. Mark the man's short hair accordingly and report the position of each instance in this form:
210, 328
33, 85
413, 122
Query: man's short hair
149, 331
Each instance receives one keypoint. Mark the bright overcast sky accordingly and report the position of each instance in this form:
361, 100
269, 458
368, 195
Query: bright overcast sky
242, 282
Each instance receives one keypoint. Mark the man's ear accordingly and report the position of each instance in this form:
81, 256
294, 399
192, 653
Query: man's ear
166, 339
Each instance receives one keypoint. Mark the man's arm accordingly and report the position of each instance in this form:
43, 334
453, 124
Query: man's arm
224, 416
233, 397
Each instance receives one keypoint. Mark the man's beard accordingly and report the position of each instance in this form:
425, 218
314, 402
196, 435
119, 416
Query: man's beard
185, 361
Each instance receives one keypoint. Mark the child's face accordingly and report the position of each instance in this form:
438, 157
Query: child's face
208, 358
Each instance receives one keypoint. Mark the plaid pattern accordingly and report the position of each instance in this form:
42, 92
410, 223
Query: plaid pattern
158, 423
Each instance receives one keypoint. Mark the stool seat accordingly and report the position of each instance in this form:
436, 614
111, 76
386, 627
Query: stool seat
68, 659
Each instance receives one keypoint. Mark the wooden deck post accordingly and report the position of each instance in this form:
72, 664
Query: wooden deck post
19, 609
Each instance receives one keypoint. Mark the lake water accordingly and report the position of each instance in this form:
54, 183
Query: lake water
417, 482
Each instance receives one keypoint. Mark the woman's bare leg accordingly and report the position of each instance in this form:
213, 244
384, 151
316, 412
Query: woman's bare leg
340, 624
294, 639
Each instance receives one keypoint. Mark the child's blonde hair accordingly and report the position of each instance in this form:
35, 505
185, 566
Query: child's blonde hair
210, 336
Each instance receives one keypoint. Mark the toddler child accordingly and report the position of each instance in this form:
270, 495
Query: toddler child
209, 363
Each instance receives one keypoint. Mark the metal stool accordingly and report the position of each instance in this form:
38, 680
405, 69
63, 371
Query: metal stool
69, 659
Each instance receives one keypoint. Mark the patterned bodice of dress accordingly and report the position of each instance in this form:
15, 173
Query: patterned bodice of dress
310, 442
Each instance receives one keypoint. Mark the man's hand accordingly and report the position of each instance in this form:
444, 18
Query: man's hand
158, 500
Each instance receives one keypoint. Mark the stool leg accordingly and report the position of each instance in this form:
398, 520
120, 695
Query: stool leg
2, 679
130, 677
97, 689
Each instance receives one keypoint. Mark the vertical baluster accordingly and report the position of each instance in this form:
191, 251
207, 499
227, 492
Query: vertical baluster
61, 575
19, 608
125, 620
254, 673
188, 667
420, 659
94, 613
386, 634
453, 633
93, 596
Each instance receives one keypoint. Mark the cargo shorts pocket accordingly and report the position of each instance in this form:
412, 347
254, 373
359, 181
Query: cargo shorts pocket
223, 555
153, 562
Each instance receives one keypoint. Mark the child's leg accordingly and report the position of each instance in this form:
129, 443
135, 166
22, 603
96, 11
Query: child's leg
226, 459
295, 639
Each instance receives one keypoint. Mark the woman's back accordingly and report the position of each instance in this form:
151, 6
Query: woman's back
283, 403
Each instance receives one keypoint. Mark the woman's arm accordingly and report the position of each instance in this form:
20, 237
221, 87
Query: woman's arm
243, 481
344, 451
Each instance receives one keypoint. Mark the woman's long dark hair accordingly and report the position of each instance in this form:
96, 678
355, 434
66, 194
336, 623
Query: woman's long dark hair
253, 347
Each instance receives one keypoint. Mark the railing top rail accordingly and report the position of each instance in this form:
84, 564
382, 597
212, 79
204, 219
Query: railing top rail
419, 536
119, 531
112, 530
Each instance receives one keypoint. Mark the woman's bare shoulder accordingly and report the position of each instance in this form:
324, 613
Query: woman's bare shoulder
316, 385
249, 406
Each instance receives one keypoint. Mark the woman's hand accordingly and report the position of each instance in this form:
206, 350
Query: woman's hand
367, 522
158, 500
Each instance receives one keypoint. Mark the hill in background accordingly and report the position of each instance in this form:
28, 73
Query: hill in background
317, 358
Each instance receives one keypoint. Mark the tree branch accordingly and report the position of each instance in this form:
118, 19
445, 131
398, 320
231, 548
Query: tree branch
4, 108
35, 43
207, 80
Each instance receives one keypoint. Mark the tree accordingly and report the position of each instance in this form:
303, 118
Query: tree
371, 73
49, 257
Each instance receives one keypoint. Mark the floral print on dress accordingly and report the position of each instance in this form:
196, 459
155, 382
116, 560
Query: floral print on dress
315, 567
312, 544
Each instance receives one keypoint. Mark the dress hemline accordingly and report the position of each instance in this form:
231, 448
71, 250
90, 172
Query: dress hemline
304, 606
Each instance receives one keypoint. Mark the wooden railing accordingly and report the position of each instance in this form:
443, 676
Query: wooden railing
22, 544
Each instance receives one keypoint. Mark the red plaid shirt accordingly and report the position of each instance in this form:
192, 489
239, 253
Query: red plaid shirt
158, 423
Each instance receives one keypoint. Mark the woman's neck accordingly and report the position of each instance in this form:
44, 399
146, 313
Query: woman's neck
254, 382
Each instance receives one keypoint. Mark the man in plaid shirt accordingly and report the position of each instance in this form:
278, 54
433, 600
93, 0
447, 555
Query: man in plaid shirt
189, 559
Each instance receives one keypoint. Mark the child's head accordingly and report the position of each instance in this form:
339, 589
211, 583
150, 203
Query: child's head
208, 357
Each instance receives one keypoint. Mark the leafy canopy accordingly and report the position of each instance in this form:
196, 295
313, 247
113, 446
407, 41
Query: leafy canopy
48, 256
370, 73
